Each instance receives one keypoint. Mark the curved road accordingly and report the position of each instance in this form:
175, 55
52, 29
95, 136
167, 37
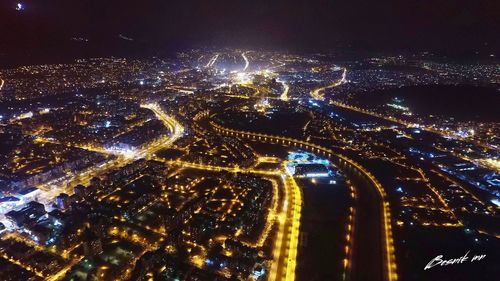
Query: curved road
373, 250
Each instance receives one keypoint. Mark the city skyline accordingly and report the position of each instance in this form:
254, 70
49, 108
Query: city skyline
45, 32
224, 140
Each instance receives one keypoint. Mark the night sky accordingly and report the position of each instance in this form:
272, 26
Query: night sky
43, 30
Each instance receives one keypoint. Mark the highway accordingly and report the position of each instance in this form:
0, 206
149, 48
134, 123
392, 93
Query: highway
247, 63
287, 238
295, 201
316, 93
286, 88
212, 61
175, 127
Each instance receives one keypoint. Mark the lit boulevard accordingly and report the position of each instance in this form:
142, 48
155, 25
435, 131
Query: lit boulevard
318, 93
234, 164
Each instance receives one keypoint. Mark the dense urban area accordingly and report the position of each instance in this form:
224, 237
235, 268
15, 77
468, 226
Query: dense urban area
229, 164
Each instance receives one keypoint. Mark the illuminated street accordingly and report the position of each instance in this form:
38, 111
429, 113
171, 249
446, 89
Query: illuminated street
240, 164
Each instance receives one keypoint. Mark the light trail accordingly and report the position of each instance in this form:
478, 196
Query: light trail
215, 59
286, 88
2, 82
316, 93
169, 122
287, 238
247, 63
212, 61
293, 243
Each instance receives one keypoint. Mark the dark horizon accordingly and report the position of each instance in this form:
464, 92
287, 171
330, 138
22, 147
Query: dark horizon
57, 30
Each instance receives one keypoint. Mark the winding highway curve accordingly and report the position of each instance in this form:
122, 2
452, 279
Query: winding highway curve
316, 93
